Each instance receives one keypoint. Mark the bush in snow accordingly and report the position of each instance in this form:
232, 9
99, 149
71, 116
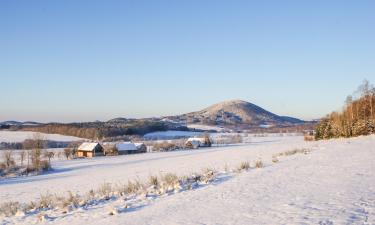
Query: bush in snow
154, 181
275, 159
244, 166
259, 164
9, 208
8, 159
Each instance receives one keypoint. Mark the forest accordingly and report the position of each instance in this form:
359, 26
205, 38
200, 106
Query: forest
356, 118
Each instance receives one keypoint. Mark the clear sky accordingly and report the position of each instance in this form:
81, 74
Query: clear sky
96, 60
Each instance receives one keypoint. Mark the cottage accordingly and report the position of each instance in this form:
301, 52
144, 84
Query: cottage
142, 148
89, 149
196, 142
126, 148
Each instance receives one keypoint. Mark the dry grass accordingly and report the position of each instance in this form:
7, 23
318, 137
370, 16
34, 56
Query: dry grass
170, 179
259, 164
154, 181
105, 189
46, 201
9, 208
309, 138
165, 183
244, 166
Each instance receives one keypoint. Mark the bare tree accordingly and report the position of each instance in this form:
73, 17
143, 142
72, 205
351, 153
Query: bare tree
67, 153
8, 159
34, 148
49, 155
22, 155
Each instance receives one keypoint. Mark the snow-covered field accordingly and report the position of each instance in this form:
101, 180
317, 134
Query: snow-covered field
171, 134
333, 184
20, 136
206, 127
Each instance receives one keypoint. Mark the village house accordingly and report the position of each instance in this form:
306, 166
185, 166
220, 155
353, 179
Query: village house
89, 149
130, 148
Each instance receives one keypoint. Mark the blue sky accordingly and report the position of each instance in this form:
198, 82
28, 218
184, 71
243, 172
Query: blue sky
87, 60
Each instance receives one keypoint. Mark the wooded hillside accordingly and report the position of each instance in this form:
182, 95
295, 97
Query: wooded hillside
357, 117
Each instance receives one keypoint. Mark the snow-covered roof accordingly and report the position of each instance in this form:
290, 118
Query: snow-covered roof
200, 139
88, 146
126, 146
138, 144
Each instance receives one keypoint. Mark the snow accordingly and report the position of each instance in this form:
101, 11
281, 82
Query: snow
333, 184
171, 134
20, 136
206, 127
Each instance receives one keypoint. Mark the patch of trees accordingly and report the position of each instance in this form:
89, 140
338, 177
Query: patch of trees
100, 130
32, 159
357, 117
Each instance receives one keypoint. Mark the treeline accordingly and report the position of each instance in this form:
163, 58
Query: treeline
101, 130
357, 117
46, 144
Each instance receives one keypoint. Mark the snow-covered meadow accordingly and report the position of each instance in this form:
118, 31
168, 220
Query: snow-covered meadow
333, 184
20, 136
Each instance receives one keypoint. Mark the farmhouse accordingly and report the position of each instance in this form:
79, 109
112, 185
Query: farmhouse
89, 149
196, 142
142, 148
130, 148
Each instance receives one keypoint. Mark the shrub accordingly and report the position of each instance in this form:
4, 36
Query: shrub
46, 201
44, 165
309, 138
170, 179
105, 189
275, 160
9, 208
244, 166
259, 164
154, 181
132, 187
67, 153
164, 146
8, 159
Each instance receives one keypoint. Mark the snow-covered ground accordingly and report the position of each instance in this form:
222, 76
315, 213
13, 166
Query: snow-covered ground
206, 127
334, 184
171, 134
20, 136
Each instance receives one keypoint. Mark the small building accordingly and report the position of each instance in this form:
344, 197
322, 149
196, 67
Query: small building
125, 148
196, 142
89, 149
141, 147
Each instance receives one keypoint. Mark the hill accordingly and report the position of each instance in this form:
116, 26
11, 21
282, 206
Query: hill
237, 112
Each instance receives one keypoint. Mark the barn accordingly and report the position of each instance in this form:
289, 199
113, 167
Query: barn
130, 148
89, 149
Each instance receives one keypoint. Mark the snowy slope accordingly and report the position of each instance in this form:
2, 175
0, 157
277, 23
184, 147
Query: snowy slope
84, 174
20, 136
334, 184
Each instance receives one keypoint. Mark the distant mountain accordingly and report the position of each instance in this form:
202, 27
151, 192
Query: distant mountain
18, 123
236, 112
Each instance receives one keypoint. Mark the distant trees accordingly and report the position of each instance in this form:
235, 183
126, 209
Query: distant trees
357, 117
35, 159
100, 130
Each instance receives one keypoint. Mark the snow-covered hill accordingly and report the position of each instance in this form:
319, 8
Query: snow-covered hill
237, 112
